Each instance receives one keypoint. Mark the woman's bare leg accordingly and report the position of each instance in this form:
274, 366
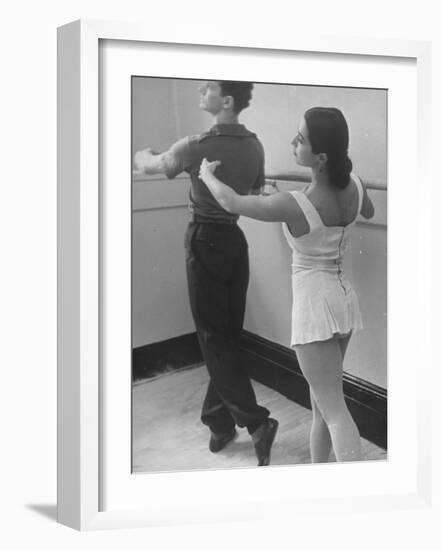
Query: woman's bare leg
320, 440
321, 364
343, 344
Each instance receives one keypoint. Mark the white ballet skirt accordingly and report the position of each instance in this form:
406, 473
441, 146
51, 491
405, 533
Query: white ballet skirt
324, 302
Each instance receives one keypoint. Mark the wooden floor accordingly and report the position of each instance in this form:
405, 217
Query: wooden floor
169, 436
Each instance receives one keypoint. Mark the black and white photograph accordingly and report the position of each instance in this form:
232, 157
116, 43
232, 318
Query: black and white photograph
258, 274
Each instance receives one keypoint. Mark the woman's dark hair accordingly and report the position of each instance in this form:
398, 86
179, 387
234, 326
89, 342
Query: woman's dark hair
328, 133
240, 91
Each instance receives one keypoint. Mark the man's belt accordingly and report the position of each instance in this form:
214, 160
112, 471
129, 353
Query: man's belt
196, 218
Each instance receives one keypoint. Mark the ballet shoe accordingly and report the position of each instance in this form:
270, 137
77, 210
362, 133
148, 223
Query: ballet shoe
219, 441
263, 439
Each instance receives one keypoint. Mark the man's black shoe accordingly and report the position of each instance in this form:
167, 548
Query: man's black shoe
263, 440
218, 442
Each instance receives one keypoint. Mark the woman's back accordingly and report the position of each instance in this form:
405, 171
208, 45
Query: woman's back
336, 207
329, 215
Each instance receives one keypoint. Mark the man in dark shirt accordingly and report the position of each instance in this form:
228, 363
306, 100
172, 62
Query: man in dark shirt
217, 260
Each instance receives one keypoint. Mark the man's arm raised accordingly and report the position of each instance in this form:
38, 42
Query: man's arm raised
148, 161
171, 162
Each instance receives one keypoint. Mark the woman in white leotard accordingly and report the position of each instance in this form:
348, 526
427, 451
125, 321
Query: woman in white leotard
317, 224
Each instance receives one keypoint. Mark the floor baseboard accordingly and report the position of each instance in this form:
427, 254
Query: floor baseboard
160, 357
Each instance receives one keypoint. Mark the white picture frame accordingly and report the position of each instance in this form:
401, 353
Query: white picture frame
79, 295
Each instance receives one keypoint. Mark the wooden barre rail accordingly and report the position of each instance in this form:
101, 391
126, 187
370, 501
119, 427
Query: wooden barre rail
299, 177
302, 177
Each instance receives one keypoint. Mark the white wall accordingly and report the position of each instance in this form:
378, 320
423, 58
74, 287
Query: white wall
165, 110
160, 306
276, 111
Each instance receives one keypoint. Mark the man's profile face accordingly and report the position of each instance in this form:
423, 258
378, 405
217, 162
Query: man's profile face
211, 99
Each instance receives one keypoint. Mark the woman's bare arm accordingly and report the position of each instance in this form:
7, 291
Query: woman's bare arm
280, 207
367, 208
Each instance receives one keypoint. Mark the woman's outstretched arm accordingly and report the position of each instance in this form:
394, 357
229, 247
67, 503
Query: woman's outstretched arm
367, 208
280, 207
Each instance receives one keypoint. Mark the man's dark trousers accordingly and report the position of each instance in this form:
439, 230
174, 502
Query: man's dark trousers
218, 274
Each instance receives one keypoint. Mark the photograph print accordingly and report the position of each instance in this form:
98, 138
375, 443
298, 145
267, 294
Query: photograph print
259, 274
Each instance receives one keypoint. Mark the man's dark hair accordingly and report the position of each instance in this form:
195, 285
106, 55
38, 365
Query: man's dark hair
240, 91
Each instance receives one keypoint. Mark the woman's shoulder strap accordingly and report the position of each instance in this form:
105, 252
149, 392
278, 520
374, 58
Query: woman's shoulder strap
360, 189
309, 211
